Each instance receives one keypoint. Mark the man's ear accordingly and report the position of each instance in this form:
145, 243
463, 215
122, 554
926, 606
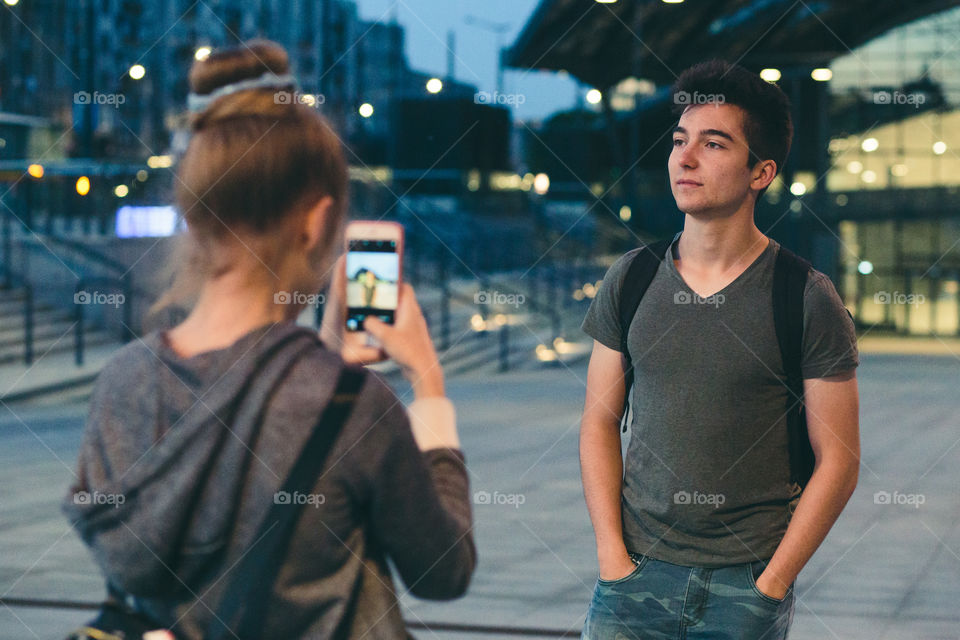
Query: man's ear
315, 222
763, 174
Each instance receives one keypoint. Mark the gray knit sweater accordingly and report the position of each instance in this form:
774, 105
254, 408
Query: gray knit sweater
169, 498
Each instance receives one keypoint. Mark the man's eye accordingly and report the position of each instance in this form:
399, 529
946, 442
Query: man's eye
677, 142
714, 145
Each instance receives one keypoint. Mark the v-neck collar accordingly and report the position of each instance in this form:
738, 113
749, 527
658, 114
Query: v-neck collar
744, 275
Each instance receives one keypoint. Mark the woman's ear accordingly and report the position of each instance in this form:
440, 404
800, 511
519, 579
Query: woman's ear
315, 222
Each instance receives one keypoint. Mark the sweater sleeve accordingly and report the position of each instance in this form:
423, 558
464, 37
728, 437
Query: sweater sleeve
420, 511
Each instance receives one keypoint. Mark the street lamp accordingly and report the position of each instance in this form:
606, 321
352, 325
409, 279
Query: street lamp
770, 75
365, 110
541, 183
137, 71
202, 53
822, 74
434, 85
498, 28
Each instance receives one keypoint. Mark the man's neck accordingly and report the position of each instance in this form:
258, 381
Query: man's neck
719, 244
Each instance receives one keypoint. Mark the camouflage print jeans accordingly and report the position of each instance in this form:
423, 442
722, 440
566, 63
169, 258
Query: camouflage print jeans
659, 600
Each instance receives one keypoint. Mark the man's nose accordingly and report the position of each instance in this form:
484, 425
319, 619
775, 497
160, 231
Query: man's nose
687, 156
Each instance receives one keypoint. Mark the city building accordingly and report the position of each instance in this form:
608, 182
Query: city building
870, 191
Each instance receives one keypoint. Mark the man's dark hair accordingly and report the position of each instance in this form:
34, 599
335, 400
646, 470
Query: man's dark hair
767, 124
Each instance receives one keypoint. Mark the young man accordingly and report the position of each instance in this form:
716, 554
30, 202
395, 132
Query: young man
700, 531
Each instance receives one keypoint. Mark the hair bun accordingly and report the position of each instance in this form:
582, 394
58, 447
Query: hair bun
244, 62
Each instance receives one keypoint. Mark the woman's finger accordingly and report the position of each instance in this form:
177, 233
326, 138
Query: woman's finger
355, 349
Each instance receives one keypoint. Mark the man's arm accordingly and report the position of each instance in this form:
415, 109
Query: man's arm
601, 465
832, 406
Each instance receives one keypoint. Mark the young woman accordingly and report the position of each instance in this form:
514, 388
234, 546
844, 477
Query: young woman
193, 430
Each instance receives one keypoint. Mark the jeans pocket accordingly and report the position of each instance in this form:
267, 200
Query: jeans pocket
753, 571
639, 559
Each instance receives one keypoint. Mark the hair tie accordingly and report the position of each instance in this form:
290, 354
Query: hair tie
198, 102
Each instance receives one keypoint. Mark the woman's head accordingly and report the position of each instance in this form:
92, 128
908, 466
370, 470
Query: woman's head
263, 182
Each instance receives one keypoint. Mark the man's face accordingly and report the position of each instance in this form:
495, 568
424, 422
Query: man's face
708, 164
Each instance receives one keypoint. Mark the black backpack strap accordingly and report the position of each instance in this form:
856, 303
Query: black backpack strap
789, 283
643, 267
245, 600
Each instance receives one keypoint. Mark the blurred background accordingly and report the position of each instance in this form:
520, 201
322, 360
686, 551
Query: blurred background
523, 146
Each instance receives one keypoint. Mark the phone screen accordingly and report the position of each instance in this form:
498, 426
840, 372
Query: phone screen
373, 274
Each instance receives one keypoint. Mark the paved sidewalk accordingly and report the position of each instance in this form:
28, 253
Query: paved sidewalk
885, 572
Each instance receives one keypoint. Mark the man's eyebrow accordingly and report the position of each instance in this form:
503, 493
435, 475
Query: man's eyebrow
716, 132
706, 132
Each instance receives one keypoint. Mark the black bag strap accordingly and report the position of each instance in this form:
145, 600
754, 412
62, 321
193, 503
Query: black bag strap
245, 599
789, 283
643, 267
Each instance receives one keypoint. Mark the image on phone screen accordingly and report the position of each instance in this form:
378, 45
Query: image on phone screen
373, 272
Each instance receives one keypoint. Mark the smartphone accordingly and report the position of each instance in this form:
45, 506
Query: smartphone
374, 271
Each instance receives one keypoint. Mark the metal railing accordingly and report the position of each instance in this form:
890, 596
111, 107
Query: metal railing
97, 270
450, 627
549, 283
126, 333
13, 280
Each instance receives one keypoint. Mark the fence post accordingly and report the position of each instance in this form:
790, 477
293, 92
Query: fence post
7, 249
78, 326
28, 323
533, 275
552, 285
414, 253
444, 305
127, 315
504, 348
485, 287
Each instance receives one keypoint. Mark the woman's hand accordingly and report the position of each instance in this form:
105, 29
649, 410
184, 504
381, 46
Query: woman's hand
158, 634
407, 341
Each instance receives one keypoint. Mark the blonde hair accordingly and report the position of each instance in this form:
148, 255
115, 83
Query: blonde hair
256, 162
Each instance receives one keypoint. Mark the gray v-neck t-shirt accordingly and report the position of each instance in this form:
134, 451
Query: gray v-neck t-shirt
706, 475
